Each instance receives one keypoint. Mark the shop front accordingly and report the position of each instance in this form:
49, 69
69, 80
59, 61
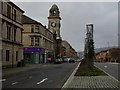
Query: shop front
33, 55
49, 56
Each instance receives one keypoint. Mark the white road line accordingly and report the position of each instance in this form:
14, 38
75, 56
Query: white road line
105, 66
14, 83
113, 63
42, 81
2, 80
30, 77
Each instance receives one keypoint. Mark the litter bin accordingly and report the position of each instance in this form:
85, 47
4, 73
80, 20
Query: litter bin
19, 64
23, 62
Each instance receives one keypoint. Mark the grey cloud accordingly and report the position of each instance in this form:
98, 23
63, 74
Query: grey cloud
75, 16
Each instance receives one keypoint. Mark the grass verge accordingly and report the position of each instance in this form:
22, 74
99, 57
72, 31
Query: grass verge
83, 70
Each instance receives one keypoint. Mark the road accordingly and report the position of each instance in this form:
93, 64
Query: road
110, 68
47, 76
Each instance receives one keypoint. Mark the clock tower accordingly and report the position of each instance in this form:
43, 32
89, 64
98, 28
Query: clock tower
54, 26
54, 20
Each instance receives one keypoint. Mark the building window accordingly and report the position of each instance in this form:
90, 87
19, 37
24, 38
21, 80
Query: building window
20, 18
16, 55
36, 28
14, 14
1, 9
36, 41
8, 31
7, 55
15, 29
2, 55
32, 41
32, 28
8, 11
21, 36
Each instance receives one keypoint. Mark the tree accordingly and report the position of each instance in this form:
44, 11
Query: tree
90, 54
89, 47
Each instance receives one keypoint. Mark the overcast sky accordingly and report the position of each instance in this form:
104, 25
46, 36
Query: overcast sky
75, 16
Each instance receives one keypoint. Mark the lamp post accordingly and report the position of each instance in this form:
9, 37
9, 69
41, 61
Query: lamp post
55, 45
108, 55
45, 57
58, 47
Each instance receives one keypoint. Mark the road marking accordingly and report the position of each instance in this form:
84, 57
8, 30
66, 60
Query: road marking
30, 77
14, 83
114, 63
2, 80
42, 81
108, 74
105, 66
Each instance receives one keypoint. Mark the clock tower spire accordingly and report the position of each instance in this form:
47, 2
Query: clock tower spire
54, 20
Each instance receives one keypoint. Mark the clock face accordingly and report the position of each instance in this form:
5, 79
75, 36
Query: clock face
54, 12
53, 24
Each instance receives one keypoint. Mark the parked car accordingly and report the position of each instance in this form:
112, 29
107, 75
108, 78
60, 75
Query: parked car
71, 61
78, 60
58, 61
66, 60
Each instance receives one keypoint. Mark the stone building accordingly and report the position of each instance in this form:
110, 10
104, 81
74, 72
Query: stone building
110, 55
37, 41
113, 55
11, 33
101, 56
69, 51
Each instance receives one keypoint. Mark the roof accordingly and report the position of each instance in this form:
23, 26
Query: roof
28, 20
54, 6
111, 49
14, 5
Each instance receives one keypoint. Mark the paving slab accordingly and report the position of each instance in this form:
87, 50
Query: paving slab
93, 82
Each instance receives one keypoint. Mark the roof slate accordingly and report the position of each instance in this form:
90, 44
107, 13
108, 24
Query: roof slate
27, 20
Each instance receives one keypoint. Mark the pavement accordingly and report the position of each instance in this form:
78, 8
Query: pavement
91, 82
12, 71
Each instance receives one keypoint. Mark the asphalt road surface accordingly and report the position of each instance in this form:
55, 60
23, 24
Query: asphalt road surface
47, 76
111, 68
